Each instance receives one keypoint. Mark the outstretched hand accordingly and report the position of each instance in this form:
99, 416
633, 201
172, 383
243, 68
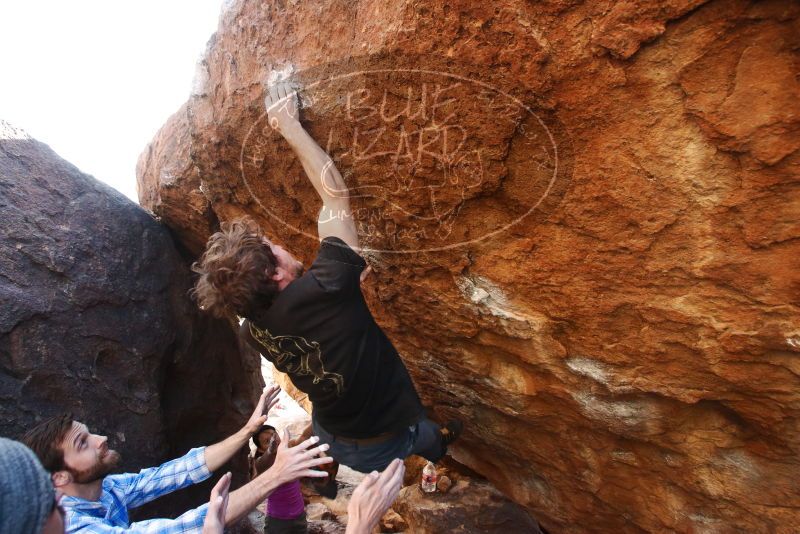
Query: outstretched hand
281, 103
296, 462
217, 506
373, 497
267, 400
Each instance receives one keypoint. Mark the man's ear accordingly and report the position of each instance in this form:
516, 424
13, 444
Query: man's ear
279, 274
61, 478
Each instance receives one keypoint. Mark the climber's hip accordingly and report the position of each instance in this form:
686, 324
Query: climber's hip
375, 454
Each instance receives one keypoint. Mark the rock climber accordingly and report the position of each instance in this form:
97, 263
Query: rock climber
315, 325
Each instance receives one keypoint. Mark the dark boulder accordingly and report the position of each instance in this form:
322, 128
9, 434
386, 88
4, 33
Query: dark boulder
95, 318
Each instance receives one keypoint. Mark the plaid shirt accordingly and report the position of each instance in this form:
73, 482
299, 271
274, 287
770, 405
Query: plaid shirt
109, 515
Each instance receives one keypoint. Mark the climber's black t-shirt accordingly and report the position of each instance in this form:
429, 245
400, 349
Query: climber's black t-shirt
320, 332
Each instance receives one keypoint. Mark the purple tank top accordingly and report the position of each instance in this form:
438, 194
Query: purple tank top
286, 502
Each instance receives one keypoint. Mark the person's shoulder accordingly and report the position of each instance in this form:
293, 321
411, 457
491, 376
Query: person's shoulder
338, 242
337, 267
335, 248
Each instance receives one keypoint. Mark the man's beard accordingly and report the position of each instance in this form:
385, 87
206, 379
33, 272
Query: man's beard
99, 470
299, 270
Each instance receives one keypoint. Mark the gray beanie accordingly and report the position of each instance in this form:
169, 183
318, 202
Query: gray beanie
26, 491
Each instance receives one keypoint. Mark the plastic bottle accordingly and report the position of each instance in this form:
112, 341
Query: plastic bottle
429, 478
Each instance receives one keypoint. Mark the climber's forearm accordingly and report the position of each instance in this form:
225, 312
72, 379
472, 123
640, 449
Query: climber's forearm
246, 498
319, 167
219, 453
336, 217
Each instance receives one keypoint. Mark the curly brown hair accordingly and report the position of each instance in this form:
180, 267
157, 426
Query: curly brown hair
236, 271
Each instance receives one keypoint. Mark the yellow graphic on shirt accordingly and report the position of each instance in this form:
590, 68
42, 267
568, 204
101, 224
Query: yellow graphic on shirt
296, 355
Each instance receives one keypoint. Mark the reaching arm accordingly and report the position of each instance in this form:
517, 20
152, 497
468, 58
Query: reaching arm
263, 462
335, 218
190, 521
219, 453
149, 484
290, 464
218, 506
373, 497
192, 468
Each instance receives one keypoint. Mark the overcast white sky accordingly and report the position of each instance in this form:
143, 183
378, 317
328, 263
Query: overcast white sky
95, 79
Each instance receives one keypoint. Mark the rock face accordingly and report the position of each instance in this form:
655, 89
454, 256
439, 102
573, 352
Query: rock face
463, 502
95, 318
583, 221
470, 506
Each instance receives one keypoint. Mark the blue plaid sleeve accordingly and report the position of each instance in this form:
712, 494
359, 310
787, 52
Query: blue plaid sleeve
140, 488
189, 523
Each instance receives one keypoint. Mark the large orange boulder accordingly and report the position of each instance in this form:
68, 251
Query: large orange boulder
583, 219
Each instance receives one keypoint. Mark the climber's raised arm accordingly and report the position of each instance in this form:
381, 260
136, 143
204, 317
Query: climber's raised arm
335, 218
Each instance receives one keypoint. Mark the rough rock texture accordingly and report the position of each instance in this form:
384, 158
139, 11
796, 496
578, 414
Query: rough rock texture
609, 292
470, 506
95, 319
475, 506
190, 217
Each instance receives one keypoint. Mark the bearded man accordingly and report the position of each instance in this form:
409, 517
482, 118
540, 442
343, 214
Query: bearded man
96, 502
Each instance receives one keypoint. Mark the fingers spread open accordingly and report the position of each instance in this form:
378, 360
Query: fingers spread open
272, 397
266, 395
284, 439
318, 461
313, 473
308, 443
273, 392
316, 451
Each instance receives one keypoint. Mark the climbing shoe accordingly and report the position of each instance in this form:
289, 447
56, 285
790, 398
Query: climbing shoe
450, 432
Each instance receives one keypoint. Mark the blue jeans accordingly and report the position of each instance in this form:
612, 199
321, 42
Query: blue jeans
423, 439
